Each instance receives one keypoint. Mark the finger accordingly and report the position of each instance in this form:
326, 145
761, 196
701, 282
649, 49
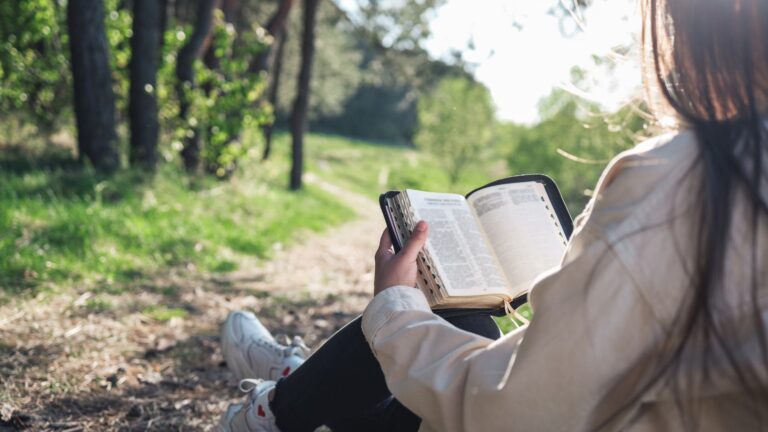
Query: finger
385, 245
416, 242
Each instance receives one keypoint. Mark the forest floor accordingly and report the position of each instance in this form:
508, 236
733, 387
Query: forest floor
73, 361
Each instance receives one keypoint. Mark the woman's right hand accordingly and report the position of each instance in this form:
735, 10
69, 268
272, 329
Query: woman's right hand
394, 269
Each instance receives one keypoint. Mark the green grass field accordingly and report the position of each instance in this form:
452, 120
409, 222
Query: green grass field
63, 225
67, 226
369, 168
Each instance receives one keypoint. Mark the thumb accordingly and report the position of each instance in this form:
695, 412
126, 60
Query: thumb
416, 242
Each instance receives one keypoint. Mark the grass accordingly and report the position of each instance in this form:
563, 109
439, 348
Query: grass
98, 305
164, 313
370, 168
63, 225
507, 323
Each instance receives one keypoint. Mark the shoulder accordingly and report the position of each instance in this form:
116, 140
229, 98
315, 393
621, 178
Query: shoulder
640, 184
665, 157
643, 210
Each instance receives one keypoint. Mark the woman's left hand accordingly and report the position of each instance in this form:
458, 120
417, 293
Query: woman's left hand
398, 268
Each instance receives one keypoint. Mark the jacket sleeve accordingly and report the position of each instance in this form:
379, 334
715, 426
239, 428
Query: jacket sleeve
591, 325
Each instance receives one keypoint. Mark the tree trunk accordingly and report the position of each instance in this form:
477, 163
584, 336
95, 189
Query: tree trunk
142, 106
274, 27
274, 86
300, 106
230, 8
194, 49
166, 15
94, 99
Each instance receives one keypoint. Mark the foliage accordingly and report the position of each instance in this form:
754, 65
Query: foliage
361, 85
573, 143
507, 324
226, 99
397, 24
118, 25
35, 86
365, 84
383, 107
172, 128
62, 224
163, 313
336, 73
456, 124
394, 32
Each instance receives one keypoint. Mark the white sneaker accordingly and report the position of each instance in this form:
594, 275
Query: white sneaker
254, 415
251, 352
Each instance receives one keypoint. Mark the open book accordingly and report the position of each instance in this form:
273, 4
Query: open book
484, 250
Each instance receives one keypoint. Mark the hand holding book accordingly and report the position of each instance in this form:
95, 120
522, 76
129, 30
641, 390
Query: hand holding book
399, 268
484, 250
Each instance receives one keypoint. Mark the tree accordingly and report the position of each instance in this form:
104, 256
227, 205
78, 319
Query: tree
33, 88
456, 123
396, 25
274, 86
275, 28
185, 73
336, 71
219, 101
142, 107
231, 100
299, 113
93, 95
369, 69
572, 143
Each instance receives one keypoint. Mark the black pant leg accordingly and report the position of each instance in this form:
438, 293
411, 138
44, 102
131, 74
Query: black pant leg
479, 323
340, 380
342, 385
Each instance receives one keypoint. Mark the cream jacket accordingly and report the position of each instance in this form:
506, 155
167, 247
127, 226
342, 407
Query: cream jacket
599, 317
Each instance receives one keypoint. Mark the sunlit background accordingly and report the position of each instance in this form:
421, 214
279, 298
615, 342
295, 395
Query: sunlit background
522, 49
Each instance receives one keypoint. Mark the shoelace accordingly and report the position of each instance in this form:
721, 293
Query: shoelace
272, 345
294, 347
249, 384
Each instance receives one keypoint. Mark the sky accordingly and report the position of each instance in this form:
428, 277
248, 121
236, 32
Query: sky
520, 54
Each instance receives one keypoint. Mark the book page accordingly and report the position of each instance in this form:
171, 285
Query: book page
523, 229
457, 245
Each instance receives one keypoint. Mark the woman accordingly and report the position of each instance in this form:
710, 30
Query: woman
655, 320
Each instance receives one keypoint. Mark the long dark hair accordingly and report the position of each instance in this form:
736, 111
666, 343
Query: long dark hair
707, 63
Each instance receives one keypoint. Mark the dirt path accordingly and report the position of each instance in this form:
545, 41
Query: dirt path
79, 361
